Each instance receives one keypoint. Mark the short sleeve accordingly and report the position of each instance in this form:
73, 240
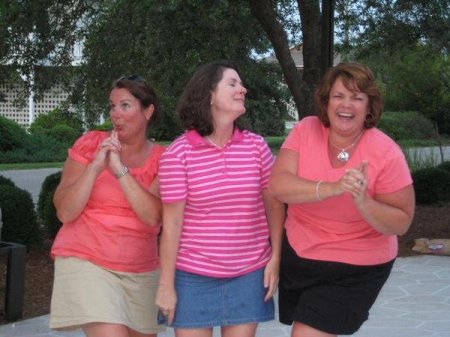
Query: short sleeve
267, 161
85, 147
172, 177
304, 133
395, 174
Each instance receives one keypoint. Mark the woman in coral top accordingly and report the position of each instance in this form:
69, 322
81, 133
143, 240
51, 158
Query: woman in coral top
106, 257
350, 194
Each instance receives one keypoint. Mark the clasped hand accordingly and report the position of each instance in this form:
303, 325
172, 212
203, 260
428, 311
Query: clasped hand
108, 154
354, 181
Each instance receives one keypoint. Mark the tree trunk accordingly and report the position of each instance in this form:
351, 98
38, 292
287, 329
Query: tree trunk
301, 86
266, 16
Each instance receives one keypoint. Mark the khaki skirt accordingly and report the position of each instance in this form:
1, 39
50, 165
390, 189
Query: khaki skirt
85, 293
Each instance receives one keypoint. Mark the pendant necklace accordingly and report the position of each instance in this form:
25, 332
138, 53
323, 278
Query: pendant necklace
212, 143
344, 156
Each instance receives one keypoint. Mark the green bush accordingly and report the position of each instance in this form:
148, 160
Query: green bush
432, 186
37, 149
45, 209
445, 165
6, 181
19, 217
401, 125
12, 135
64, 133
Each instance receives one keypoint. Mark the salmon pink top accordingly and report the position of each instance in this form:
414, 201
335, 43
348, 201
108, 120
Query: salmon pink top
333, 229
225, 231
108, 232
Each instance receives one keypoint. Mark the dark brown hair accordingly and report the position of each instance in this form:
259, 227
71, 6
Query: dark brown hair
194, 105
355, 77
141, 90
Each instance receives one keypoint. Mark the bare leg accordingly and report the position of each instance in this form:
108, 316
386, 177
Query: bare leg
241, 330
206, 332
303, 330
100, 329
111, 330
134, 333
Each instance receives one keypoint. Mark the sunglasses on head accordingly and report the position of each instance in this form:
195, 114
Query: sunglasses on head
131, 78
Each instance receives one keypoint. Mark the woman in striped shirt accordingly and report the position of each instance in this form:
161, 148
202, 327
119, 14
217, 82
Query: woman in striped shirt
221, 238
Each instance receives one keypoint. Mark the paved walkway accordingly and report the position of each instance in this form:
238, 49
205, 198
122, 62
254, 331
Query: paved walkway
415, 302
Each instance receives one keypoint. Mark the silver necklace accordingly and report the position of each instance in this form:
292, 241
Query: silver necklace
343, 155
212, 143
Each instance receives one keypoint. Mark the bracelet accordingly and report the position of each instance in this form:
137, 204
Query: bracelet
124, 172
317, 190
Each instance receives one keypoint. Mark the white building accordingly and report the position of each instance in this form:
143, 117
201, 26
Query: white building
24, 113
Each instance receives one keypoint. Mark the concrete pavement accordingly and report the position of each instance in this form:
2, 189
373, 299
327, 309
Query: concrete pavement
415, 302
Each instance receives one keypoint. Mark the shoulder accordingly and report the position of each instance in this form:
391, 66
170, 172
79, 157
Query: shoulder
89, 141
383, 143
309, 122
249, 136
179, 146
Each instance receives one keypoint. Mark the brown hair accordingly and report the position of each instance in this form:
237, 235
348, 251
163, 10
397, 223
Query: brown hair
194, 106
354, 76
141, 90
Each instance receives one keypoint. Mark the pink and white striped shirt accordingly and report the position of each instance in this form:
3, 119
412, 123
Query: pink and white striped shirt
225, 231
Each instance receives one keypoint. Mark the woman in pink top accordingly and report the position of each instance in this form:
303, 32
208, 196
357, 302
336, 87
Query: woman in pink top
221, 238
349, 194
106, 256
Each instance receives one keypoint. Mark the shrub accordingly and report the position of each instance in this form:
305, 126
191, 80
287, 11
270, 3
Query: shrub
401, 125
45, 208
19, 217
445, 165
432, 186
6, 181
64, 133
12, 136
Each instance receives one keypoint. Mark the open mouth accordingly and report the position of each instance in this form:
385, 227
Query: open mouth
346, 116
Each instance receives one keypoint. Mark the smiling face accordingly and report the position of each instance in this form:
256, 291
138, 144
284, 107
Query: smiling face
347, 109
228, 99
128, 116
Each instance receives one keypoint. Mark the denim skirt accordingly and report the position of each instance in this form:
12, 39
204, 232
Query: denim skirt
205, 302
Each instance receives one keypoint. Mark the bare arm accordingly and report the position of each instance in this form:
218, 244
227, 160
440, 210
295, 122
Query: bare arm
390, 213
288, 187
166, 297
146, 205
275, 212
72, 193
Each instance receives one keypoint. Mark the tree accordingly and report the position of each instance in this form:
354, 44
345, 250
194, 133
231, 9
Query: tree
164, 41
414, 36
300, 85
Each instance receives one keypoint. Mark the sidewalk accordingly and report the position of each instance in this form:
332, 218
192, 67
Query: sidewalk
415, 302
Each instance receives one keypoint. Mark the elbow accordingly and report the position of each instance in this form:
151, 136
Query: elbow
64, 217
404, 229
272, 188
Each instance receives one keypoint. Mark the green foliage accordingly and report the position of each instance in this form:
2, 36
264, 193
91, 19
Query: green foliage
107, 125
186, 35
37, 148
419, 80
445, 165
432, 186
406, 125
60, 124
275, 142
19, 217
45, 209
12, 136
6, 181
